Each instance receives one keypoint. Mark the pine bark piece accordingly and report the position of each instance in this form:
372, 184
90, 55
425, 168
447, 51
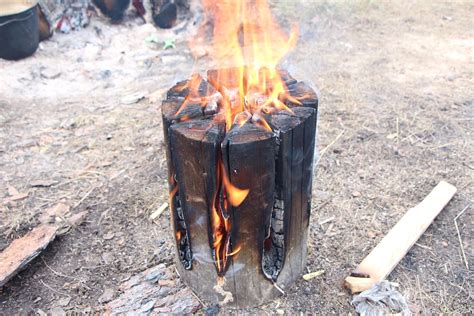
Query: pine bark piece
22, 250
154, 291
393, 247
55, 221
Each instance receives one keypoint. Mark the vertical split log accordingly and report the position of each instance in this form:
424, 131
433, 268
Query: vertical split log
198, 142
249, 155
293, 186
267, 242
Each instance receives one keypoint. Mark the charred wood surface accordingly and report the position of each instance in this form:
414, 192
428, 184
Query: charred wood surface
250, 160
267, 242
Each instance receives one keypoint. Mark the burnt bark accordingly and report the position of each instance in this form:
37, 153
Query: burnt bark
270, 226
249, 155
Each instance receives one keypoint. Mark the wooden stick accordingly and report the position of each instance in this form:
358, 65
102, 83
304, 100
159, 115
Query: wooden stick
158, 212
394, 246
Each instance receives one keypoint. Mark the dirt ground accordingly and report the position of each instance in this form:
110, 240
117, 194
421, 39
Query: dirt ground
396, 117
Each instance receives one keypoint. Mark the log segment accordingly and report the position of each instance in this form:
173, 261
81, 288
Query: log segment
266, 244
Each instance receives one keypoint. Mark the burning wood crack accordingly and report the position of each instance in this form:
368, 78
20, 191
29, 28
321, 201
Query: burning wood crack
182, 237
274, 244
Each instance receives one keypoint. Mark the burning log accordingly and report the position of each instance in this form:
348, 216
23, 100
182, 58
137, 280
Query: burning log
240, 173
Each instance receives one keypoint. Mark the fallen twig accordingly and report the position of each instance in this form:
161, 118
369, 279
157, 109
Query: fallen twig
55, 272
55, 291
159, 211
459, 236
278, 288
327, 220
328, 146
84, 197
312, 275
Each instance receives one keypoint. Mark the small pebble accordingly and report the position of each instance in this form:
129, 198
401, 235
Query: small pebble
107, 296
356, 194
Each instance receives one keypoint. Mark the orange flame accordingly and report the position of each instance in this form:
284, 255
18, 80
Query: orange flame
220, 218
236, 251
247, 38
235, 195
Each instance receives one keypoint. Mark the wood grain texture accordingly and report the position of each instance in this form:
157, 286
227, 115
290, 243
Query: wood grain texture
22, 250
393, 247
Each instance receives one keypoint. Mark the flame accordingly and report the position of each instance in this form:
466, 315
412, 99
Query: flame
178, 235
225, 194
235, 195
173, 191
246, 37
236, 251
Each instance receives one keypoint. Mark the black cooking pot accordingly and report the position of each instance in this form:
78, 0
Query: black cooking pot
19, 34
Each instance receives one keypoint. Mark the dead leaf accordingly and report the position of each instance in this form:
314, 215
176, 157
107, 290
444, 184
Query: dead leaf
12, 191
121, 241
77, 219
14, 195
72, 221
373, 233
18, 197
64, 301
107, 295
109, 236
356, 194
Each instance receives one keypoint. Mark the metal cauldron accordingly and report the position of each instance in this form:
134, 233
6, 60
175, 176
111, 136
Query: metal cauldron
19, 34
